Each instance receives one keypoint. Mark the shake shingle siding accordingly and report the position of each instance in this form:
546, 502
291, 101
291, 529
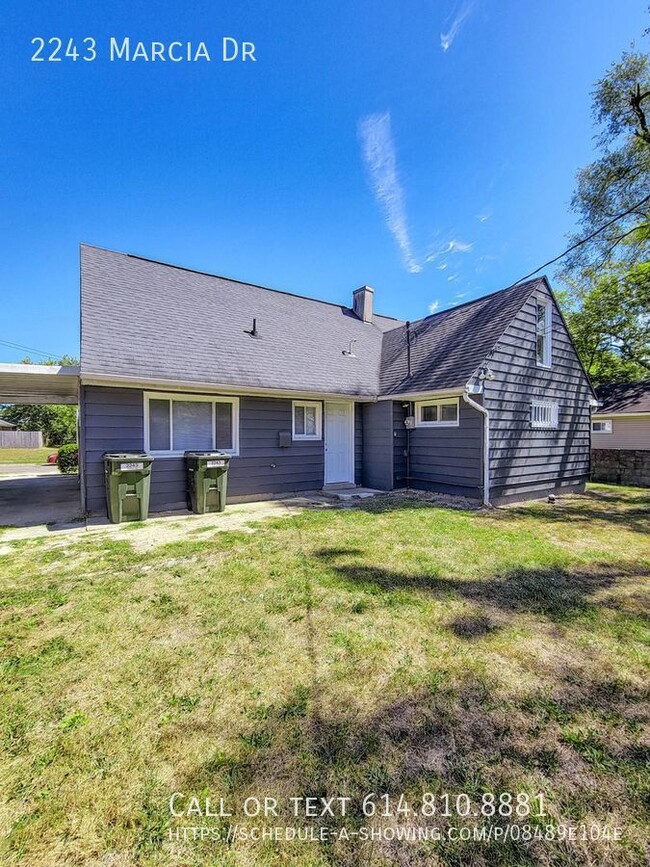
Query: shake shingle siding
524, 460
114, 422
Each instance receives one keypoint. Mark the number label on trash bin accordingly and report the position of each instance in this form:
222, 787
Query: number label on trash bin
133, 465
210, 464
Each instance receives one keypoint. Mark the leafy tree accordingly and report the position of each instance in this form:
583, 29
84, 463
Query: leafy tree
620, 178
609, 320
607, 301
58, 423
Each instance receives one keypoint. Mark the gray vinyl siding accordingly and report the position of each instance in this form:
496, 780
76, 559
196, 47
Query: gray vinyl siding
400, 443
448, 459
627, 433
114, 421
378, 445
524, 460
358, 444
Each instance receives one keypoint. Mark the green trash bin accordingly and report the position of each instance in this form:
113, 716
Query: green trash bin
128, 482
207, 480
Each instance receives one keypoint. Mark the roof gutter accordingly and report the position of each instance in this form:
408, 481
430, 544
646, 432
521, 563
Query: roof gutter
486, 443
191, 386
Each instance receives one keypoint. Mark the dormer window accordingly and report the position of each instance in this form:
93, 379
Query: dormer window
544, 332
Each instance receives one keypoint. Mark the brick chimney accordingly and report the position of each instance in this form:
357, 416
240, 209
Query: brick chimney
362, 303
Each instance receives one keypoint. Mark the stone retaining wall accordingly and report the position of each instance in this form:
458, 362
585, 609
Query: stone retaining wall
621, 466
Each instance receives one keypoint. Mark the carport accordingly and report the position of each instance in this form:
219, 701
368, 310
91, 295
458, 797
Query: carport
31, 495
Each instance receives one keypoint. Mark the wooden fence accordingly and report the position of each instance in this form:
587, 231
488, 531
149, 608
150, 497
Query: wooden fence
21, 439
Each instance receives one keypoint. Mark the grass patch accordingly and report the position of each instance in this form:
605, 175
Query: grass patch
26, 456
394, 647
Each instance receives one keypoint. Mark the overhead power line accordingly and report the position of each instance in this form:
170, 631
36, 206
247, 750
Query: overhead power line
29, 349
583, 240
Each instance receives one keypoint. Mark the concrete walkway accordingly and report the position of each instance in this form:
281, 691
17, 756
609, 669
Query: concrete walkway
163, 528
38, 501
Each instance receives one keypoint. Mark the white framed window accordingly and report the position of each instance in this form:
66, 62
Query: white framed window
544, 414
604, 426
544, 333
437, 413
175, 423
307, 423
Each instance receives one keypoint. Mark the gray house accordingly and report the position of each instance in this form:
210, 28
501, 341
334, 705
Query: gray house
486, 400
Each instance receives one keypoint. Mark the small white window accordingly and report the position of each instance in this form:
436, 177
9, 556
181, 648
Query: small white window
307, 420
602, 426
437, 413
544, 331
543, 414
175, 423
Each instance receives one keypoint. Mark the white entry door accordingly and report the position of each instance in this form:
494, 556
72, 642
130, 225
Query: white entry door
339, 442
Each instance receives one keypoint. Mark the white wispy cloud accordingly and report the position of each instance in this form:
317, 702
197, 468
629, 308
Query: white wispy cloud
434, 306
453, 246
459, 295
452, 277
460, 16
442, 267
482, 218
378, 151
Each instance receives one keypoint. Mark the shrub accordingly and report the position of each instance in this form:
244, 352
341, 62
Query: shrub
69, 458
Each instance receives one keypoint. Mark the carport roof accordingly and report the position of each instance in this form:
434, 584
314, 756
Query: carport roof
38, 383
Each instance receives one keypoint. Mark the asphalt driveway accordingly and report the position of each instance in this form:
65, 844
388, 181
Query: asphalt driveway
45, 498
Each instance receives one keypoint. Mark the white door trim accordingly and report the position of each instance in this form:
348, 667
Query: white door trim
350, 407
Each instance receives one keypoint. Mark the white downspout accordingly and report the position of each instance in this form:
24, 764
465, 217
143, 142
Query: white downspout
486, 445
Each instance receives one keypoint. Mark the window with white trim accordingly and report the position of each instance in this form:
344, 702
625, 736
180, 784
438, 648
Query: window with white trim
544, 414
437, 413
307, 420
175, 423
604, 426
544, 332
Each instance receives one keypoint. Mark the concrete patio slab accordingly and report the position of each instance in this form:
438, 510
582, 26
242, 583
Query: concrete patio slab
43, 500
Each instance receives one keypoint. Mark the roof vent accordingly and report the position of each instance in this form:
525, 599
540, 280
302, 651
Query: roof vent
362, 303
252, 331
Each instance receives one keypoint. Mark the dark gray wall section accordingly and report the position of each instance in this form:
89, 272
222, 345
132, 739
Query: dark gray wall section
114, 421
358, 444
400, 443
523, 460
447, 459
378, 445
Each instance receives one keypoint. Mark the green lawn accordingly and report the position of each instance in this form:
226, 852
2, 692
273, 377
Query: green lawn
26, 456
394, 648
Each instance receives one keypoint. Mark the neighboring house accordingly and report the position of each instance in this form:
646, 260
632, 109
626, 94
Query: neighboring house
620, 434
6, 425
622, 419
487, 399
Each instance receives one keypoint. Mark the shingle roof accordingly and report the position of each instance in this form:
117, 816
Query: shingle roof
448, 347
624, 397
144, 319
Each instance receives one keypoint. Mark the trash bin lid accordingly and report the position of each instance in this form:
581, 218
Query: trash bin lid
125, 456
206, 454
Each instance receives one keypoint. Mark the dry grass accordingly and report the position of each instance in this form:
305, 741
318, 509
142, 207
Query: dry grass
396, 647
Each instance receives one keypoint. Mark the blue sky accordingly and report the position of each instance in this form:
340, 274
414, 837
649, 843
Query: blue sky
425, 148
